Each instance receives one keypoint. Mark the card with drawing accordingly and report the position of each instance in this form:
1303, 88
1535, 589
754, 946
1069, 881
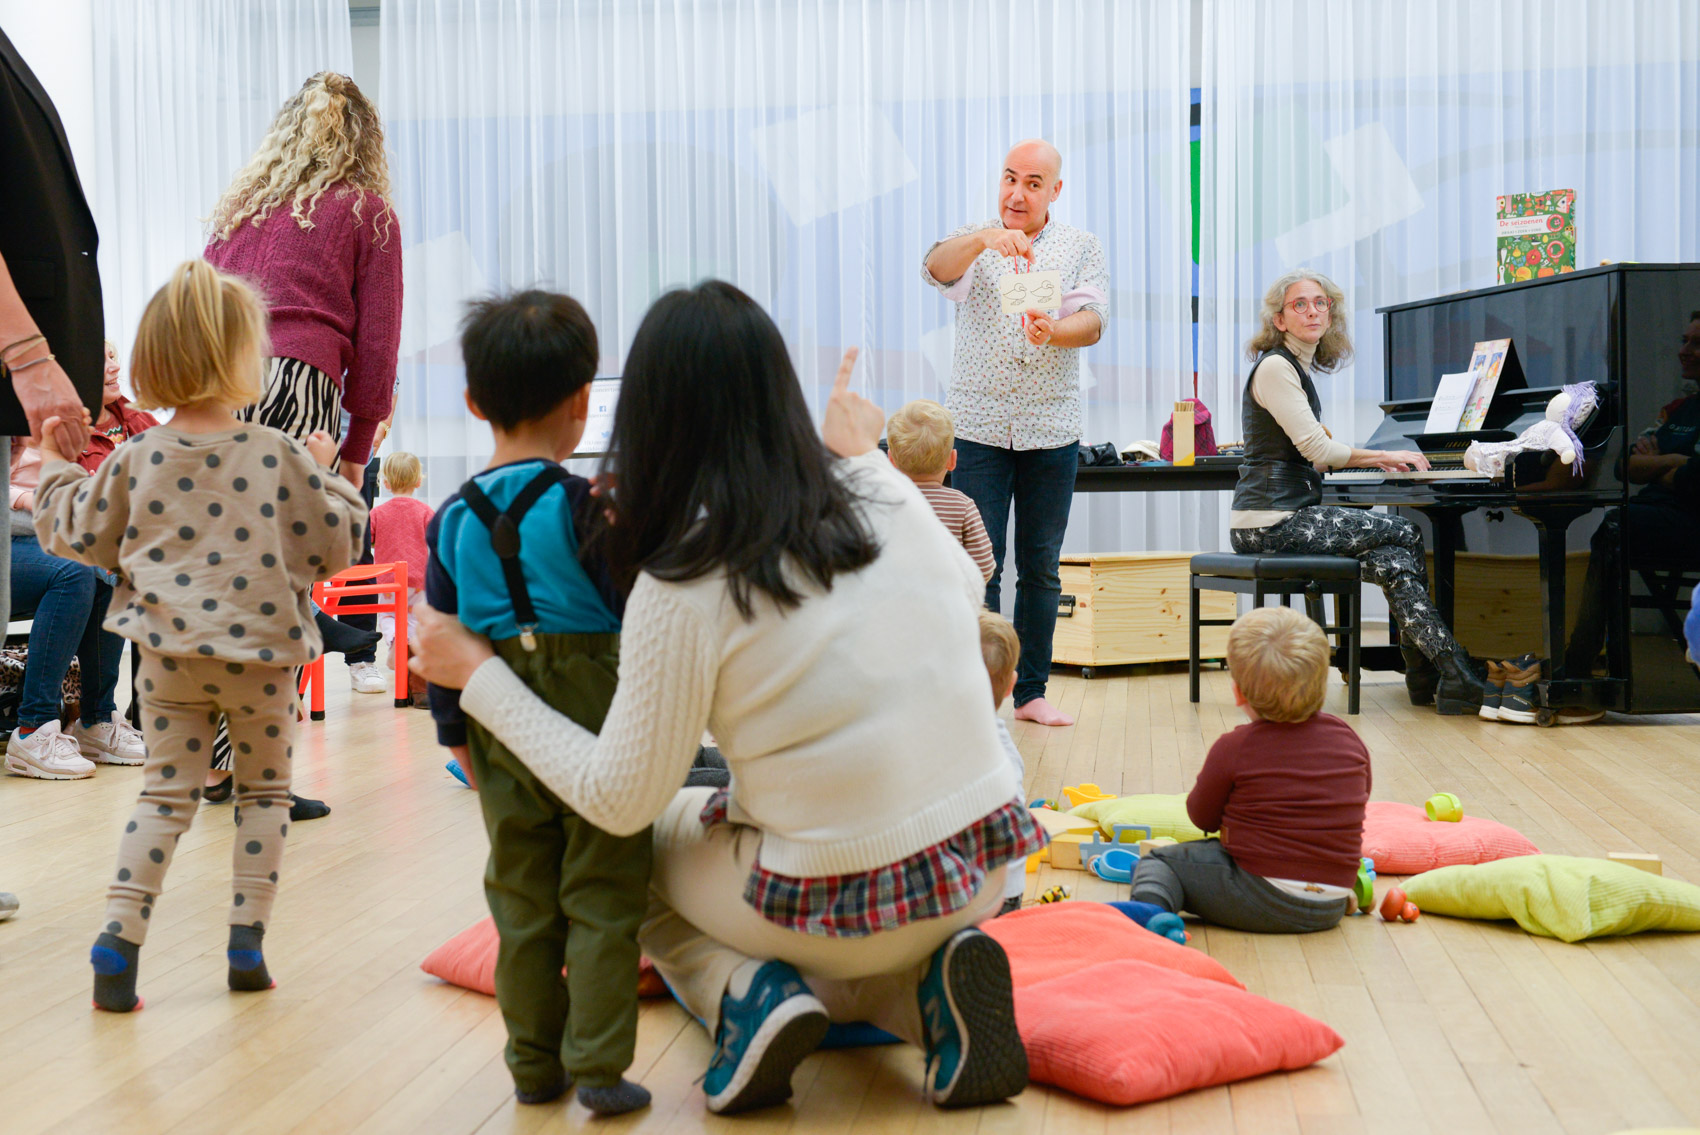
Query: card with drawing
1024, 291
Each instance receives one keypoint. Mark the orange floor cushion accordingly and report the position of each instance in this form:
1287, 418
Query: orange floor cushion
1404, 841
1128, 1032
1056, 939
469, 961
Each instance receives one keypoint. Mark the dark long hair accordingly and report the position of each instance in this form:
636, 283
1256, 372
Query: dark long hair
716, 460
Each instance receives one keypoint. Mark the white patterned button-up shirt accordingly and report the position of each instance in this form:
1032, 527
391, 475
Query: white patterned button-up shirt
1004, 391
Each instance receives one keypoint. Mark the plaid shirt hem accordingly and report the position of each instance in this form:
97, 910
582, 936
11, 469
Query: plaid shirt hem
933, 883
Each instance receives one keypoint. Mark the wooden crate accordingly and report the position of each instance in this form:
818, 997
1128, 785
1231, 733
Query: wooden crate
1132, 607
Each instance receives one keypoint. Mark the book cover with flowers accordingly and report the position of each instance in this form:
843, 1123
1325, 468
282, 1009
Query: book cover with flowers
1537, 234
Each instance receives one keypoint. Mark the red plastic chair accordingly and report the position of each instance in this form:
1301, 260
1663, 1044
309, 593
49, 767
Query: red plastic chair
330, 594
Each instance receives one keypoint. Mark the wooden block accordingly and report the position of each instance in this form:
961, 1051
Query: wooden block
1065, 850
1061, 823
1146, 845
1131, 607
1639, 859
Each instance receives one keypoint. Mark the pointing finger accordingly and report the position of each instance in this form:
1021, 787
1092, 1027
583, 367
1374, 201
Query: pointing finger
842, 383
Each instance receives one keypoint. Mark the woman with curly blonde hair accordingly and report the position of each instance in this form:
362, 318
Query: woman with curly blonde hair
309, 222
1278, 501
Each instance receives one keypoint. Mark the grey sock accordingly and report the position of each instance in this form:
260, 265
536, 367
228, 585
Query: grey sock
115, 963
622, 1097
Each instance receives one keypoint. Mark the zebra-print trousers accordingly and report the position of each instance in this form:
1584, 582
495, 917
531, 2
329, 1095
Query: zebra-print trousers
298, 399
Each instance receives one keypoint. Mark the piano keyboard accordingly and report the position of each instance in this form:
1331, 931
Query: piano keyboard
1377, 476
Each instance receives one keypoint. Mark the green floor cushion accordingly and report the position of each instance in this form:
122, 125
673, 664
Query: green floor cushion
1164, 815
1559, 896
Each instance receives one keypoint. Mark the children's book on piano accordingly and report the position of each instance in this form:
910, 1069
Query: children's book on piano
1537, 234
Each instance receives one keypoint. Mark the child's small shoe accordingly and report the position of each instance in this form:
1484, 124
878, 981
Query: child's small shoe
616, 1099
1521, 698
457, 772
546, 1093
1495, 683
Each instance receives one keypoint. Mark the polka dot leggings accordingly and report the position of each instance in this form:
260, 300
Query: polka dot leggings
181, 701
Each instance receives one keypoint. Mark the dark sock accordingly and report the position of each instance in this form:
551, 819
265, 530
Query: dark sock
301, 808
115, 963
622, 1097
548, 1093
247, 962
1010, 906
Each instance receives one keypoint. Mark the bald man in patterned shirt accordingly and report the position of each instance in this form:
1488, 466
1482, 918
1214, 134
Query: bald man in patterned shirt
1015, 391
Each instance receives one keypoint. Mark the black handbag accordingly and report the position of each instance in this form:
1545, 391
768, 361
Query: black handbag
1105, 453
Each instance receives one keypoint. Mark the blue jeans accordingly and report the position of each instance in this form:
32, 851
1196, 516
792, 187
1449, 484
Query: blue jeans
1040, 483
69, 600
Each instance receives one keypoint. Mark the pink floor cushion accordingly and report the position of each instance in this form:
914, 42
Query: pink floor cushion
1404, 841
1058, 939
469, 961
1127, 1032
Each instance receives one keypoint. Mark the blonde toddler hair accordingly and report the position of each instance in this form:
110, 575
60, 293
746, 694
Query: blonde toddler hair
920, 437
202, 338
1000, 649
401, 472
1279, 660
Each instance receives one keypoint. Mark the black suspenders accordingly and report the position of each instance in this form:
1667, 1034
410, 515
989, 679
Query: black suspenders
504, 540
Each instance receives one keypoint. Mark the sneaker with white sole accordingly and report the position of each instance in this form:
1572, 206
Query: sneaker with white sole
763, 1036
109, 742
46, 754
366, 678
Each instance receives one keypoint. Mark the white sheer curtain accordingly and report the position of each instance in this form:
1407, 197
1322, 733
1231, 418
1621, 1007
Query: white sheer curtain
184, 91
1369, 141
809, 152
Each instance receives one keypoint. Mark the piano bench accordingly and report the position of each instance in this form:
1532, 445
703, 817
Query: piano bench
1285, 576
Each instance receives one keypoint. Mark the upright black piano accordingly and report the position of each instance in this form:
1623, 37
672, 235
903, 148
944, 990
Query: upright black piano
1591, 572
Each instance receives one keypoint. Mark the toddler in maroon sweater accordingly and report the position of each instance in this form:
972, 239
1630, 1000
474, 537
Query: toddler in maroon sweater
1286, 793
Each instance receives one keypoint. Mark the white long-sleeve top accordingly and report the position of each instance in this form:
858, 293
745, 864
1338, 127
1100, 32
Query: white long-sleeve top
854, 725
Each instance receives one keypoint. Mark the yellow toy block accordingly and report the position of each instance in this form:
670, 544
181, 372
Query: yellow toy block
1065, 850
1034, 860
1086, 794
1640, 859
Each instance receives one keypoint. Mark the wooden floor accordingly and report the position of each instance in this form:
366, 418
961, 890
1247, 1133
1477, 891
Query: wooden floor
1450, 1026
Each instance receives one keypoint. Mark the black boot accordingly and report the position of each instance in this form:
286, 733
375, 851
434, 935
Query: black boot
340, 638
1421, 676
1460, 691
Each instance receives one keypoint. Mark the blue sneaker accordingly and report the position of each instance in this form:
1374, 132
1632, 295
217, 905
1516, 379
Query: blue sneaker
974, 1054
457, 772
763, 1036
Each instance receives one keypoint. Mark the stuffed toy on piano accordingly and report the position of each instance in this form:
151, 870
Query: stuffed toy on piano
1569, 409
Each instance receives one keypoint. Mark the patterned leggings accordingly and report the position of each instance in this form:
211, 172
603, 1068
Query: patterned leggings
1389, 547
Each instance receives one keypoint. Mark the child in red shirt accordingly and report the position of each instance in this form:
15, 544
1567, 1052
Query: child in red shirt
398, 532
1286, 793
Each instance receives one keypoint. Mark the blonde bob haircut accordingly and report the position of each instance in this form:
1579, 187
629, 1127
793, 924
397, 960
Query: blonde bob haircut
1279, 660
327, 136
920, 437
1335, 346
1000, 649
202, 338
401, 472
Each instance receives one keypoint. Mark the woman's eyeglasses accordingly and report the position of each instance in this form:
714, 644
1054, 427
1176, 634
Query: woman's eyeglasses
1320, 303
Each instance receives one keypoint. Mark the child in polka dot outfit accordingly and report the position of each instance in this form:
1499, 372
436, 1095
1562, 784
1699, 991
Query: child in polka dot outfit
217, 531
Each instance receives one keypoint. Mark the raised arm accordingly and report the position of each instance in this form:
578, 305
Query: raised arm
621, 780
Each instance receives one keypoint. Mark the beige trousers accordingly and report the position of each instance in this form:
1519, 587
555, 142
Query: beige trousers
700, 929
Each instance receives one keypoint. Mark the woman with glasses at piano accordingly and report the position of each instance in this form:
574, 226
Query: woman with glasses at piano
1278, 501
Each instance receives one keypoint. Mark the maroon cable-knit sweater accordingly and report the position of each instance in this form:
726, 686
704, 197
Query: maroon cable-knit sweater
334, 294
1288, 798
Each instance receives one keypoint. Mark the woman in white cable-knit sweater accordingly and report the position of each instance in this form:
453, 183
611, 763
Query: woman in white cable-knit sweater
812, 613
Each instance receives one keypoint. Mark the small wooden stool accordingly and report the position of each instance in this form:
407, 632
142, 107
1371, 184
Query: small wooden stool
1286, 576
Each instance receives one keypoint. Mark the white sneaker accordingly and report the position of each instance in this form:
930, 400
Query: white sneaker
366, 678
109, 742
47, 754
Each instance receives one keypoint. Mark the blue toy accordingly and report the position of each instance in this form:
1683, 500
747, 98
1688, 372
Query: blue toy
1093, 849
1115, 865
1155, 919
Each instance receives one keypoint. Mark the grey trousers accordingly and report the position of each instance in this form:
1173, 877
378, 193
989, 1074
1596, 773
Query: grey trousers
1200, 876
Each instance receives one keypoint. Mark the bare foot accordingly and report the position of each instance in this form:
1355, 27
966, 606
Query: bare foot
1042, 712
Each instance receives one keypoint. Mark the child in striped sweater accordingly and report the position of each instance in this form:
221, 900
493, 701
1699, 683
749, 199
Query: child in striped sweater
922, 442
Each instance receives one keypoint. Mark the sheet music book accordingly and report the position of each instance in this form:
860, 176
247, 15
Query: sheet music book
1450, 399
1487, 363
1537, 234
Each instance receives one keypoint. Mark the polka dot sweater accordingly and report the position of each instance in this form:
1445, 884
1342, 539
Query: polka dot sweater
216, 539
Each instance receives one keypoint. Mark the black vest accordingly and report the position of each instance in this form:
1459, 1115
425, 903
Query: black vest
1274, 476
47, 235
